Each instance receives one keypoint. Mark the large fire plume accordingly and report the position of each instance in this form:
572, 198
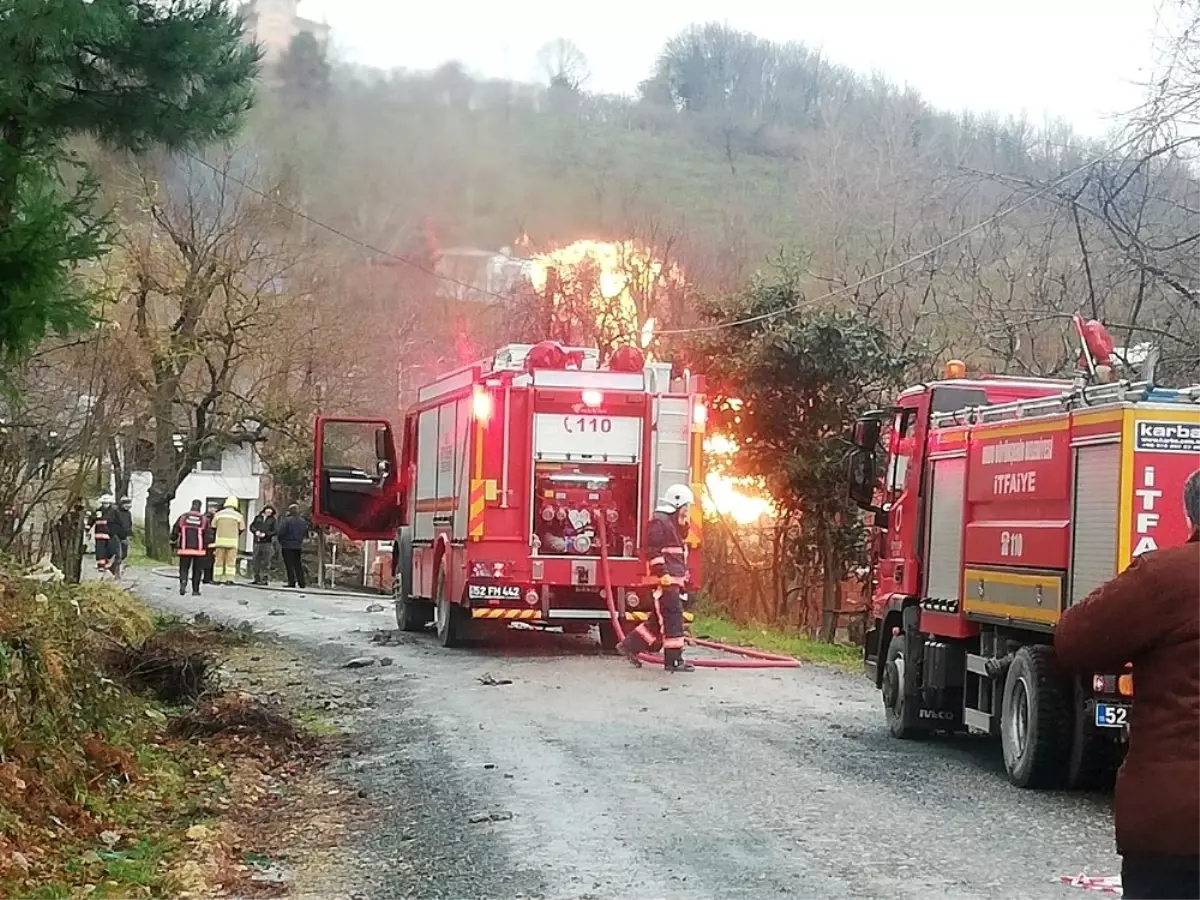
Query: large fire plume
624, 286
621, 283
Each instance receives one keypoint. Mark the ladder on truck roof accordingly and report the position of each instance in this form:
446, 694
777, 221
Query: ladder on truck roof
1097, 395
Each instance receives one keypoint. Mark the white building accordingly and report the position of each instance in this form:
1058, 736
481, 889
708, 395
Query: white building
237, 472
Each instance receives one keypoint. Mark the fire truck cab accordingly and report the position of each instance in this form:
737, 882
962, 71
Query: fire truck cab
504, 472
998, 503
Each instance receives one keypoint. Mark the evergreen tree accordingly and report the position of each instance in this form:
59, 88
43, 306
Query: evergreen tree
130, 73
304, 69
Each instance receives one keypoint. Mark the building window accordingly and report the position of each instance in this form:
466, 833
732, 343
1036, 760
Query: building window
211, 463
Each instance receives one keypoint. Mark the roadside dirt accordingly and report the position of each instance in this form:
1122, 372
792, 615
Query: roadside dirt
535, 766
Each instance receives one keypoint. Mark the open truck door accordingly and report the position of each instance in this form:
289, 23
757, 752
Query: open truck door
358, 484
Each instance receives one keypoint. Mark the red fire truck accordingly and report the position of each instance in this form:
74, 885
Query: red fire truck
503, 468
1005, 501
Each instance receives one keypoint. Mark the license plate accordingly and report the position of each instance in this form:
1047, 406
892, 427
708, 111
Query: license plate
1109, 715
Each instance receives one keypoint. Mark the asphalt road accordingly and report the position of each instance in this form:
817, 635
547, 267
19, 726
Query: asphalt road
607, 782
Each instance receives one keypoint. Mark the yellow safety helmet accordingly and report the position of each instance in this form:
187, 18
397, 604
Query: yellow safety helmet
231, 502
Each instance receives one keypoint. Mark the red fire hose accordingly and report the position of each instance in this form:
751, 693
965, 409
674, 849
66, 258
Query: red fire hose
757, 659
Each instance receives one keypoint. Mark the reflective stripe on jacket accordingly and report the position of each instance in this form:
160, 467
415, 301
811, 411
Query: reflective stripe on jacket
228, 524
664, 547
188, 535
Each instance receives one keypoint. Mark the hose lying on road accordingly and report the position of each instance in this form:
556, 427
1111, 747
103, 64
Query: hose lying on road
756, 659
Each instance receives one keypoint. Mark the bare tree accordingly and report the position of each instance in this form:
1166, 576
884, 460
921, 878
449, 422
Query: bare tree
563, 65
214, 293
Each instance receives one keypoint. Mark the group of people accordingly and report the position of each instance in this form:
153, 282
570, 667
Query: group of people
206, 541
207, 544
112, 527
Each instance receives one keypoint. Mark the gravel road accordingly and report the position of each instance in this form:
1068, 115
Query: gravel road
607, 782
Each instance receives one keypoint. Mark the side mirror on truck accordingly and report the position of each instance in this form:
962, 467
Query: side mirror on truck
862, 478
867, 430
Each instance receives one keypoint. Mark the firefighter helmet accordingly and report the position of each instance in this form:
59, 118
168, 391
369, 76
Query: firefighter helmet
676, 498
107, 500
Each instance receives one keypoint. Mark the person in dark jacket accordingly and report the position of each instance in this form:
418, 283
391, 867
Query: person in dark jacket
102, 534
210, 534
188, 537
125, 514
291, 534
118, 538
668, 563
1149, 615
263, 529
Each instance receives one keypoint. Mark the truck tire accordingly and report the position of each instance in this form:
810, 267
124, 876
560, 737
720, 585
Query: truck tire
1035, 720
901, 711
412, 614
1095, 756
447, 615
608, 636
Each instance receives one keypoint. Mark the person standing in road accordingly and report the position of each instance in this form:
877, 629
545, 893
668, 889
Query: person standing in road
668, 562
263, 529
228, 525
1149, 615
291, 534
102, 535
117, 536
125, 514
188, 538
210, 537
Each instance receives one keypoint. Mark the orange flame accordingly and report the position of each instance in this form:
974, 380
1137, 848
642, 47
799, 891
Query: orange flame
625, 281
741, 498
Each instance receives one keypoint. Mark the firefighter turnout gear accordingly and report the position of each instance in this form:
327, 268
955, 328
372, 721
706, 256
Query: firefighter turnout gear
101, 536
668, 563
228, 524
191, 546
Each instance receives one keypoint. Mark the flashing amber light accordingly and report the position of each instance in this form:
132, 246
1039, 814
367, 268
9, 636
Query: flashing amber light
1125, 685
481, 405
956, 368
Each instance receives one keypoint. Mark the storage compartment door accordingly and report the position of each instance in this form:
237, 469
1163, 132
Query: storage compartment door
1095, 518
943, 571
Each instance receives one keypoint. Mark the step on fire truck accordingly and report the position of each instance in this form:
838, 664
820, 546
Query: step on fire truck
503, 468
1004, 502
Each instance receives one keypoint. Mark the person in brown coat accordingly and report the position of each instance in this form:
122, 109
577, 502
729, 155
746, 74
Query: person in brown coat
1150, 615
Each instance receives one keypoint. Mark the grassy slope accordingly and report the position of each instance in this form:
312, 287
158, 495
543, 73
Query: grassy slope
777, 640
95, 799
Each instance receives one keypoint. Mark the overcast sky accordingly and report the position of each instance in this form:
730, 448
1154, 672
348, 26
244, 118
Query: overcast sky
1081, 60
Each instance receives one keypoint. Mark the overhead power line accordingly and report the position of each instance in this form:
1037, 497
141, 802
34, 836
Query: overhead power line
715, 326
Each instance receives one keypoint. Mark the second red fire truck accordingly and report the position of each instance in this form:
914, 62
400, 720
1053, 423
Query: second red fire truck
502, 472
1005, 501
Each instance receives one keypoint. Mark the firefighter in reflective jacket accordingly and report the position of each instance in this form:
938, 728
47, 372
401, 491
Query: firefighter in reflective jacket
190, 539
668, 562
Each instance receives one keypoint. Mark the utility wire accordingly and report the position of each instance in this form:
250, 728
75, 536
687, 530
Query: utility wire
223, 173
965, 233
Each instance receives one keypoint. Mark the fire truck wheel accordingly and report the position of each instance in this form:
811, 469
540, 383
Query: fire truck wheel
412, 614
608, 636
900, 711
447, 617
1095, 756
1035, 724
